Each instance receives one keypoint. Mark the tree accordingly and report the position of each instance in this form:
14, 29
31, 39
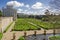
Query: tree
47, 15
54, 24
0, 13
47, 12
54, 28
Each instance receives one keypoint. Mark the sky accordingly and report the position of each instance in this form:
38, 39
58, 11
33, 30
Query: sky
37, 7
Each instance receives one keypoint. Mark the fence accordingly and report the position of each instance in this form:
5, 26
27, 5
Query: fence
4, 22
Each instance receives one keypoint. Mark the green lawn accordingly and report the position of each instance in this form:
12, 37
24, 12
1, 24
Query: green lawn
22, 24
54, 38
1, 35
45, 25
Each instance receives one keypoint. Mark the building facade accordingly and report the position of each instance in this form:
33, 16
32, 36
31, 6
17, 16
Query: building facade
9, 11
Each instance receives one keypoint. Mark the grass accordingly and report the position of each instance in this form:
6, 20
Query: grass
8, 27
45, 25
1, 36
21, 38
54, 38
22, 25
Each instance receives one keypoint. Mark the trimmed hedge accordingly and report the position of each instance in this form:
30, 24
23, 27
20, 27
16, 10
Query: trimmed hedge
45, 25
23, 25
54, 38
21, 38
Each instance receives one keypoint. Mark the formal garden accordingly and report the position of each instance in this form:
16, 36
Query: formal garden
23, 25
27, 24
30, 20
34, 24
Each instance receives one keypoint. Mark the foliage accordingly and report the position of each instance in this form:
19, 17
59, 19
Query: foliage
21, 38
47, 12
45, 25
0, 13
23, 25
54, 38
1, 35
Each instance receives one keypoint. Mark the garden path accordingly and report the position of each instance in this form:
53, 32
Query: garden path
8, 34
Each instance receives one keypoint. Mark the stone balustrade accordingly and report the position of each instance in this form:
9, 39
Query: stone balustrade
4, 22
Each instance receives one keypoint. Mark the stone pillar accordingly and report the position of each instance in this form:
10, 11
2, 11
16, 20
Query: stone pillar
44, 34
25, 34
35, 33
13, 36
15, 15
0, 24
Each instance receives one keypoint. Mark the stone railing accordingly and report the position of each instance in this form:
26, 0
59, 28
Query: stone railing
4, 22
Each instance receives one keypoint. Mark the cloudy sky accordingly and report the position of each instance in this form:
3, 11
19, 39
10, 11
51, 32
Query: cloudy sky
28, 6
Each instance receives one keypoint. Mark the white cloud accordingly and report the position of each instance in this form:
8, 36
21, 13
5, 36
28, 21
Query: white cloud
28, 12
22, 11
19, 10
27, 6
37, 5
15, 4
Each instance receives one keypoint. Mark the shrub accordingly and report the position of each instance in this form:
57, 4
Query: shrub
21, 38
54, 38
0, 13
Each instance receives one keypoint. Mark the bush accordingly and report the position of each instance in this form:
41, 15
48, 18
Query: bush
0, 13
23, 25
54, 38
21, 38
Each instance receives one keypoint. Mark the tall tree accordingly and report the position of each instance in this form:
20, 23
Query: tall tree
47, 12
0, 13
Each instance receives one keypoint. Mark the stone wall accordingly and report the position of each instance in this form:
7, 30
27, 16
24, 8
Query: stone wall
4, 22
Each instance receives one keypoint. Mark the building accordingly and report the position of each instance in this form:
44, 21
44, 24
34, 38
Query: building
22, 15
9, 11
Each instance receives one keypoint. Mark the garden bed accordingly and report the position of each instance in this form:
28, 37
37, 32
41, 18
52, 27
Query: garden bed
45, 25
54, 38
21, 38
23, 25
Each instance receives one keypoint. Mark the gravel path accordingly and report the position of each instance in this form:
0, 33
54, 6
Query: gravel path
8, 35
39, 37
